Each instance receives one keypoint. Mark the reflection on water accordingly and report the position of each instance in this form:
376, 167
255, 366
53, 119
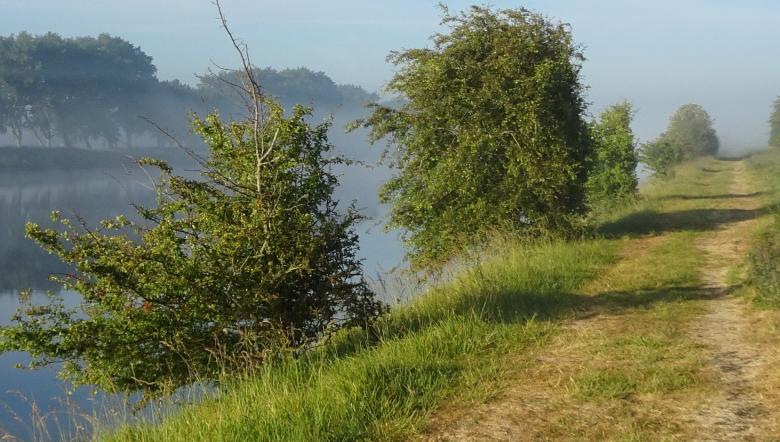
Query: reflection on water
32, 197
95, 196
29, 397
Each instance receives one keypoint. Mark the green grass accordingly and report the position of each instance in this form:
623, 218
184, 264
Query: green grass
626, 377
459, 343
763, 262
639, 363
383, 387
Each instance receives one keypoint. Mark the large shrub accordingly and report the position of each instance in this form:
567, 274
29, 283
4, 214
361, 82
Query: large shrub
229, 269
613, 173
490, 133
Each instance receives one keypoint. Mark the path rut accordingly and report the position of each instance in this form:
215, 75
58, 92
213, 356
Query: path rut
736, 412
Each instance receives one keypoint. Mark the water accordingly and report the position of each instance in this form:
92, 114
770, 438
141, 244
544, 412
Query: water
28, 398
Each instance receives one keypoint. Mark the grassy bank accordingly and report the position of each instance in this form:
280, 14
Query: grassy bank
512, 322
443, 346
763, 266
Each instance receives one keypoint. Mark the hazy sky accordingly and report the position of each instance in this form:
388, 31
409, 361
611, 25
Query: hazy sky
658, 54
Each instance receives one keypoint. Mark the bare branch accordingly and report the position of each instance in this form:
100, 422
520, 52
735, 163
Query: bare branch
257, 96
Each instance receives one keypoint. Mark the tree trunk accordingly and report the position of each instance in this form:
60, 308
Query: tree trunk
17, 132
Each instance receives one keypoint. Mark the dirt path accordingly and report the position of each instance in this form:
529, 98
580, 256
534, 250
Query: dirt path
541, 403
530, 408
736, 412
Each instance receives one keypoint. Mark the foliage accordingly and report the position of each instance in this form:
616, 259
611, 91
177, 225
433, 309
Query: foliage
660, 156
774, 124
70, 88
490, 135
449, 347
690, 134
91, 91
289, 86
690, 130
613, 173
226, 271
449, 342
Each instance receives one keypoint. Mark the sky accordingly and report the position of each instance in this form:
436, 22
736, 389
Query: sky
657, 54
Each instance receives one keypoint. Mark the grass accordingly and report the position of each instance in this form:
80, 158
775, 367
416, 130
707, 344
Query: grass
449, 339
638, 354
624, 368
763, 264
504, 328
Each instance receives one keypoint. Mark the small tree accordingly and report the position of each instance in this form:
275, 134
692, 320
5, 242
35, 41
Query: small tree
689, 135
613, 173
227, 270
774, 124
660, 157
490, 134
690, 130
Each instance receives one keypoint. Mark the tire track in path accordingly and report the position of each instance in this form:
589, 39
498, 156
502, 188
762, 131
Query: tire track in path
736, 411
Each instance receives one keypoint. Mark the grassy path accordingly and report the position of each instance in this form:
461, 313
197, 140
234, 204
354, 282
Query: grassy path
664, 350
736, 411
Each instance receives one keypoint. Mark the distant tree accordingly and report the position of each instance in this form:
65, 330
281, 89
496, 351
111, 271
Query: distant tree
690, 134
289, 86
690, 130
491, 133
19, 82
8, 114
350, 94
613, 173
774, 124
660, 157
78, 89
90, 91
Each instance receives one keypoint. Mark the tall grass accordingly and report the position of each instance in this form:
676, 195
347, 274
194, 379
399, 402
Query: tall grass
382, 384
763, 263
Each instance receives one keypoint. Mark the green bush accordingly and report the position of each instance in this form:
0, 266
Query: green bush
660, 156
613, 173
227, 271
690, 130
490, 133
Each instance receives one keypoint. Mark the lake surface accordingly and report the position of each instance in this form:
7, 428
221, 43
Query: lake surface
33, 403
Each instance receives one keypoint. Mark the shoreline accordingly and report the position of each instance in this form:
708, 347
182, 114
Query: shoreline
36, 159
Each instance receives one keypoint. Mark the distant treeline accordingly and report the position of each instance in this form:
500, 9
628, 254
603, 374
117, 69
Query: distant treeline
104, 92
